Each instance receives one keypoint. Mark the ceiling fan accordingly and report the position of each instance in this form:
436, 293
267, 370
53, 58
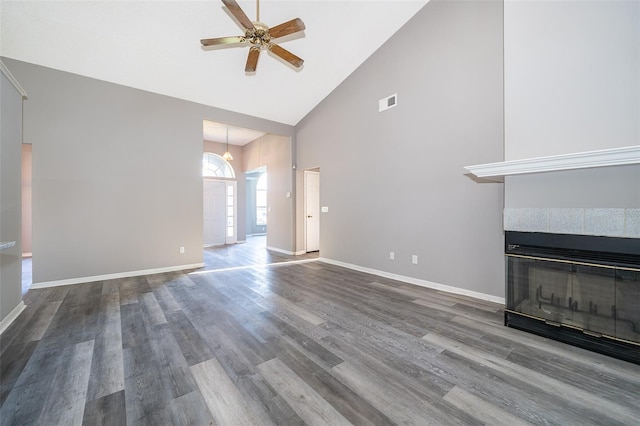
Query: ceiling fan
259, 36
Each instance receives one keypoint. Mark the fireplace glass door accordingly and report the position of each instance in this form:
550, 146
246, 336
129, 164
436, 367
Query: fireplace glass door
628, 305
595, 299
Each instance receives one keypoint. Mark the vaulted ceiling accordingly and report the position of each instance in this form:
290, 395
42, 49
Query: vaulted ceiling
155, 46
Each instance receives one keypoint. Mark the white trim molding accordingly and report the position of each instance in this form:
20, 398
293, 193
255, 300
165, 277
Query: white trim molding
11, 316
290, 253
417, 281
129, 274
579, 160
13, 80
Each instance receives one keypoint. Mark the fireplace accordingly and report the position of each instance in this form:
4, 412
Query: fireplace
579, 289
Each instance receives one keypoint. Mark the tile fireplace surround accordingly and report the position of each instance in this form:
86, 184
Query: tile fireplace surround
609, 222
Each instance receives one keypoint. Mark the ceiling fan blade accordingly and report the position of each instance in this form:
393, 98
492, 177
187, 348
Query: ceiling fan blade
235, 9
289, 27
221, 40
252, 59
286, 55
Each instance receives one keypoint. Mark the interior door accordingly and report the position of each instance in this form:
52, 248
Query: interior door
312, 210
214, 212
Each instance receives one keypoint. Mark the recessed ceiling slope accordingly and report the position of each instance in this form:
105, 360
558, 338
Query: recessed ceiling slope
150, 45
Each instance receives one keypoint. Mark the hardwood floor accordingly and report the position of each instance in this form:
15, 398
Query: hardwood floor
252, 252
290, 344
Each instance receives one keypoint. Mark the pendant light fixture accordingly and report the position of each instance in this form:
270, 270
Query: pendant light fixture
227, 155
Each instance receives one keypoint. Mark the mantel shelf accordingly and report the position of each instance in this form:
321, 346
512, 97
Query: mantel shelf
579, 160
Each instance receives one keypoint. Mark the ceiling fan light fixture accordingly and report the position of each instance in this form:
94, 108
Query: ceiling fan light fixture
258, 36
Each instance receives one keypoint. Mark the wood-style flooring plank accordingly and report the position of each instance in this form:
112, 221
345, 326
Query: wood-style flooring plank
65, 402
348, 403
108, 410
221, 396
107, 367
401, 404
310, 406
484, 411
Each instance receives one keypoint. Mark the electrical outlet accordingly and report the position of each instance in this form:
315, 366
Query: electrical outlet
414, 259
392, 256
181, 250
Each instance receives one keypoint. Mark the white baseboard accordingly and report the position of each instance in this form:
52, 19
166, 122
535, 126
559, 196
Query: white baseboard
115, 276
11, 316
281, 251
300, 252
417, 281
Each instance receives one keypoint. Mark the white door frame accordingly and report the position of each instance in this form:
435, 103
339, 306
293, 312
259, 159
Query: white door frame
306, 213
233, 185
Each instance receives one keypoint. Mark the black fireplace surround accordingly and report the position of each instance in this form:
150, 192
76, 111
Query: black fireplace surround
578, 289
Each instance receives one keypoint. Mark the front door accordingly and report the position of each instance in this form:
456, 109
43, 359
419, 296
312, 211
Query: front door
213, 212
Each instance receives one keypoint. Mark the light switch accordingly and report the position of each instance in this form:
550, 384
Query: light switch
325, 209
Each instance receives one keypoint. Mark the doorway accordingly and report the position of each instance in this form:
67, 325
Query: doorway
256, 202
312, 210
219, 201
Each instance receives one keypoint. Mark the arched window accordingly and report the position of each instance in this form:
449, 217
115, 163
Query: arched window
214, 165
261, 200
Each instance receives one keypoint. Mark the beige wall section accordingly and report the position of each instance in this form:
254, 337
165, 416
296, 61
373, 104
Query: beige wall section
274, 152
10, 200
394, 181
236, 164
117, 174
26, 197
572, 76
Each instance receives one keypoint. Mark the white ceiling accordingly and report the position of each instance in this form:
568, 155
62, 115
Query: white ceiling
217, 132
155, 46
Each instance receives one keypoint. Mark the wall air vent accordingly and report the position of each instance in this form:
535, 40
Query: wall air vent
388, 102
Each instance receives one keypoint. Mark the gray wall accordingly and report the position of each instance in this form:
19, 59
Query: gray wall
10, 199
572, 84
572, 76
274, 153
117, 184
394, 181
614, 187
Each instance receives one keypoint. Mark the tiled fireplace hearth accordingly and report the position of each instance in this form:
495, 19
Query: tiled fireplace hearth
579, 289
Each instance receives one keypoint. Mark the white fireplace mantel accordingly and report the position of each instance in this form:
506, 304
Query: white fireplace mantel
579, 160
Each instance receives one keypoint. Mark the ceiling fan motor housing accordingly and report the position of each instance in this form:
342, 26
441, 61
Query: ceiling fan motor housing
259, 35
